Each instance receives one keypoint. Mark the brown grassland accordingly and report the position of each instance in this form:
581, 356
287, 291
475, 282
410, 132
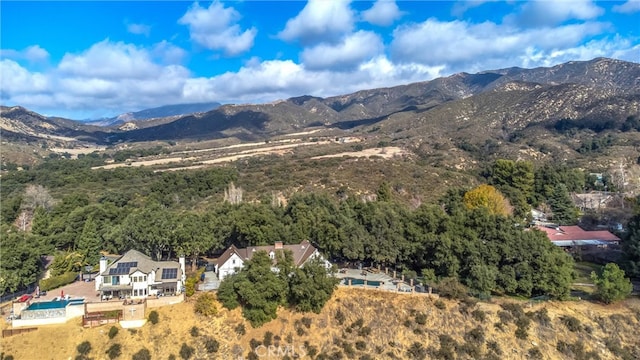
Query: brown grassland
375, 325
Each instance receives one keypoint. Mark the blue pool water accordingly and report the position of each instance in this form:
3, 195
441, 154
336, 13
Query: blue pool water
60, 304
361, 282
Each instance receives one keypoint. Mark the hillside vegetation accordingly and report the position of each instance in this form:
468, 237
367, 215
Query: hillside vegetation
366, 324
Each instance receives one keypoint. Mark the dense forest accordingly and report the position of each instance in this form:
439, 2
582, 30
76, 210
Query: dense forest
478, 236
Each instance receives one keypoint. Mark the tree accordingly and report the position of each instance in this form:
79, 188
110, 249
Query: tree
564, 212
631, 248
90, 242
488, 197
611, 284
311, 287
384, 192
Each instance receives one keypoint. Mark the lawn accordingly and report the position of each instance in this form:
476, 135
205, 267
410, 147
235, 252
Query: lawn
583, 271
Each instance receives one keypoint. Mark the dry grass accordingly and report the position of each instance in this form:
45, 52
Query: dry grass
386, 314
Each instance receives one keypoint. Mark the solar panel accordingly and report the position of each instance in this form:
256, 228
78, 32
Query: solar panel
169, 273
127, 264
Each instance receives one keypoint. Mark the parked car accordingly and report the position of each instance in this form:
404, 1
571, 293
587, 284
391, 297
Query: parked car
25, 298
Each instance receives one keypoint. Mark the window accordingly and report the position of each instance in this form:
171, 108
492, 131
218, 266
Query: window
233, 261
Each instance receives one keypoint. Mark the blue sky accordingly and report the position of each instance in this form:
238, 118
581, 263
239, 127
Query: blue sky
91, 59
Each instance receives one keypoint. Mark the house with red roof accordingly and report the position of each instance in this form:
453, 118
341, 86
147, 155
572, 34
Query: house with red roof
570, 236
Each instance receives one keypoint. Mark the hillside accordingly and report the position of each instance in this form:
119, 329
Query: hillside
409, 327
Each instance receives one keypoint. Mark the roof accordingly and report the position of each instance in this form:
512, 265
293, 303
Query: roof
301, 252
575, 235
140, 262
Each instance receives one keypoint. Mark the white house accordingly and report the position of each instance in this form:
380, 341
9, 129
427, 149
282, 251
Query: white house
233, 259
135, 275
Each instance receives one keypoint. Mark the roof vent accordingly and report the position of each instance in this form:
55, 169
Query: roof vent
278, 245
253, 250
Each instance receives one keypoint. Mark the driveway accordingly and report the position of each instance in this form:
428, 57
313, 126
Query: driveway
78, 289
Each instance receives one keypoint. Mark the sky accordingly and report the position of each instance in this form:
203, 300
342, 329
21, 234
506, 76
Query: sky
94, 59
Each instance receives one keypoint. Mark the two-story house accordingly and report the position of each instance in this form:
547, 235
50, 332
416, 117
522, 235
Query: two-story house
136, 275
233, 259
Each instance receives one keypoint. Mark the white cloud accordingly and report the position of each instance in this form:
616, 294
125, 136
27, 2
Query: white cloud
383, 13
458, 43
216, 28
631, 6
139, 29
349, 53
320, 21
550, 13
33, 53
15, 79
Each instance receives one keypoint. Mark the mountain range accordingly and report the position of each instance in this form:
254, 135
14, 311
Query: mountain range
471, 108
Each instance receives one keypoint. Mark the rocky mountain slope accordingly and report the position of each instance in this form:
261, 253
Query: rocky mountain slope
498, 101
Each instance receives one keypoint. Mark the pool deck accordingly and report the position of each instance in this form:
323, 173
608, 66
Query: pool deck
387, 281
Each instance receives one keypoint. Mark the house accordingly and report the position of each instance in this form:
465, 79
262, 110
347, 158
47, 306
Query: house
233, 259
136, 275
572, 236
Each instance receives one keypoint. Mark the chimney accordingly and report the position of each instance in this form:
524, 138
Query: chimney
103, 268
182, 262
279, 245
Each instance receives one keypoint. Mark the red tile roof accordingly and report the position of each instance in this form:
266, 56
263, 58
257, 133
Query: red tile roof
575, 233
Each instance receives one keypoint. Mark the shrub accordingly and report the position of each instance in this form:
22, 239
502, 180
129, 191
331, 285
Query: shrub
114, 351
212, 345
505, 316
142, 354
268, 339
421, 319
361, 345
113, 332
440, 304
153, 317
57, 281
535, 353
571, 323
472, 350
541, 317
84, 348
513, 308
206, 305
364, 331
253, 344
194, 331
451, 288
479, 315
417, 351
186, 351
611, 284
494, 347
407, 323
475, 335
522, 323
306, 322
348, 349
240, 329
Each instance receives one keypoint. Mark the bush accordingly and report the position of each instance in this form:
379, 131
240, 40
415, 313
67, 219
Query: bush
114, 351
421, 319
57, 281
417, 351
541, 317
611, 284
153, 317
571, 323
494, 347
340, 318
212, 345
240, 329
206, 305
479, 315
440, 304
361, 345
186, 351
364, 331
475, 335
306, 322
535, 353
142, 354
113, 332
268, 339
194, 331
84, 348
451, 288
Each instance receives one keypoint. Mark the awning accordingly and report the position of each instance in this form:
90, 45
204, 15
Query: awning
105, 287
165, 285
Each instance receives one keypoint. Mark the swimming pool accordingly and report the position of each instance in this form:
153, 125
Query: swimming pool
361, 282
59, 304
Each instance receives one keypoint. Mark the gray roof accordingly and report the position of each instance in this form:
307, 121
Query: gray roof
144, 264
301, 252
